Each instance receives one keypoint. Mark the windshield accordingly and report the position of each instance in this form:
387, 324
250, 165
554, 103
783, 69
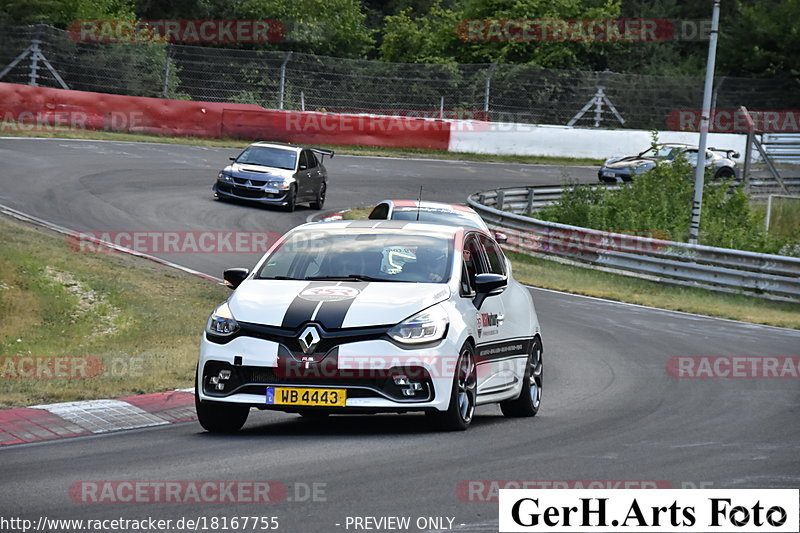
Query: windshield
662, 152
434, 215
368, 256
268, 157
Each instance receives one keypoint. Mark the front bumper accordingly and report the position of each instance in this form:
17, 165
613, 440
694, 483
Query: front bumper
364, 369
252, 194
614, 175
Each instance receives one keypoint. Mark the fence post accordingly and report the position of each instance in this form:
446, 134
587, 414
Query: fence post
748, 157
302, 101
167, 62
283, 79
529, 205
487, 90
500, 202
35, 51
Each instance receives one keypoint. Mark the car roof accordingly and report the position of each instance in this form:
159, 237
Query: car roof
406, 226
431, 205
279, 145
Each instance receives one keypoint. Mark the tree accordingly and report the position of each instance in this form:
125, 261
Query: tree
761, 39
325, 27
447, 34
61, 13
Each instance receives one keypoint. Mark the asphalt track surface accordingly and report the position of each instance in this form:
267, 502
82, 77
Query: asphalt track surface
610, 410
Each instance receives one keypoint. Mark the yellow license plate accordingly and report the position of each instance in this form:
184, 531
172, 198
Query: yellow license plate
297, 396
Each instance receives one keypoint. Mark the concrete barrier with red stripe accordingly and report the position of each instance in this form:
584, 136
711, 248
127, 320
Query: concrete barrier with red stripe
43, 109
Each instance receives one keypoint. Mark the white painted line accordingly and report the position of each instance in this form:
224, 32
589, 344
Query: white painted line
102, 416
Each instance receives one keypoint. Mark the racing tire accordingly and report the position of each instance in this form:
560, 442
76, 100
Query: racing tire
463, 395
320, 201
291, 200
724, 173
530, 397
219, 418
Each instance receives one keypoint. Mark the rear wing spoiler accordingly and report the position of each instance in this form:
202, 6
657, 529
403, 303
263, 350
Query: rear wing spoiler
322, 152
733, 154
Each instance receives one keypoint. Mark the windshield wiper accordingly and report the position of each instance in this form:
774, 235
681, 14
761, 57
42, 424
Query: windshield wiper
282, 278
350, 277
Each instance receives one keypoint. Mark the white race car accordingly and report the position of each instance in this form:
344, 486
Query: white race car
372, 316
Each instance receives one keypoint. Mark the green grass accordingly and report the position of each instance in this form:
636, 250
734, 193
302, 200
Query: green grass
141, 319
344, 150
784, 217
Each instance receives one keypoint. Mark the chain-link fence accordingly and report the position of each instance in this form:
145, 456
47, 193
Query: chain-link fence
285, 80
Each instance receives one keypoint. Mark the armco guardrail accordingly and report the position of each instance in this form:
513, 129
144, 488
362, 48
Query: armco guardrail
765, 275
530, 199
782, 147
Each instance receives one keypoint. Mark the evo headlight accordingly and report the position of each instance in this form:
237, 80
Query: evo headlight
426, 326
278, 184
224, 176
221, 322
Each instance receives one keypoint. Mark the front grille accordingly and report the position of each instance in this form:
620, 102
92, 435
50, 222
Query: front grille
247, 193
254, 183
329, 338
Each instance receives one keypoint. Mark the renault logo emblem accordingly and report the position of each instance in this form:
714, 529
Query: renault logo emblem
309, 339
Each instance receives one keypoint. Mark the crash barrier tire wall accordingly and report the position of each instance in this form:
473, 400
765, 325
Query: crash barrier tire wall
42, 107
765, 275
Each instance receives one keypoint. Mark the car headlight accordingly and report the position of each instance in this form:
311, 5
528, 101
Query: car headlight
278, 184
221, 322
224, 176
426, 326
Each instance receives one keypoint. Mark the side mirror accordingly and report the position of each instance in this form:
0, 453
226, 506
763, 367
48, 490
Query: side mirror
232, 158
735, 155
234, 277
500, 237
488, 285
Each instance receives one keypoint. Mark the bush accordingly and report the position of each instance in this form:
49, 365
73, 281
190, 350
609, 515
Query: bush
660, 201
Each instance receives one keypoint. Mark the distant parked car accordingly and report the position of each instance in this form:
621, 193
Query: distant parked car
436, 212
276, 174
623, 169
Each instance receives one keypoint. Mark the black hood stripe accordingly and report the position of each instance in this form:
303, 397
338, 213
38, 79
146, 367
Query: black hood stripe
300, 310
330, 315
